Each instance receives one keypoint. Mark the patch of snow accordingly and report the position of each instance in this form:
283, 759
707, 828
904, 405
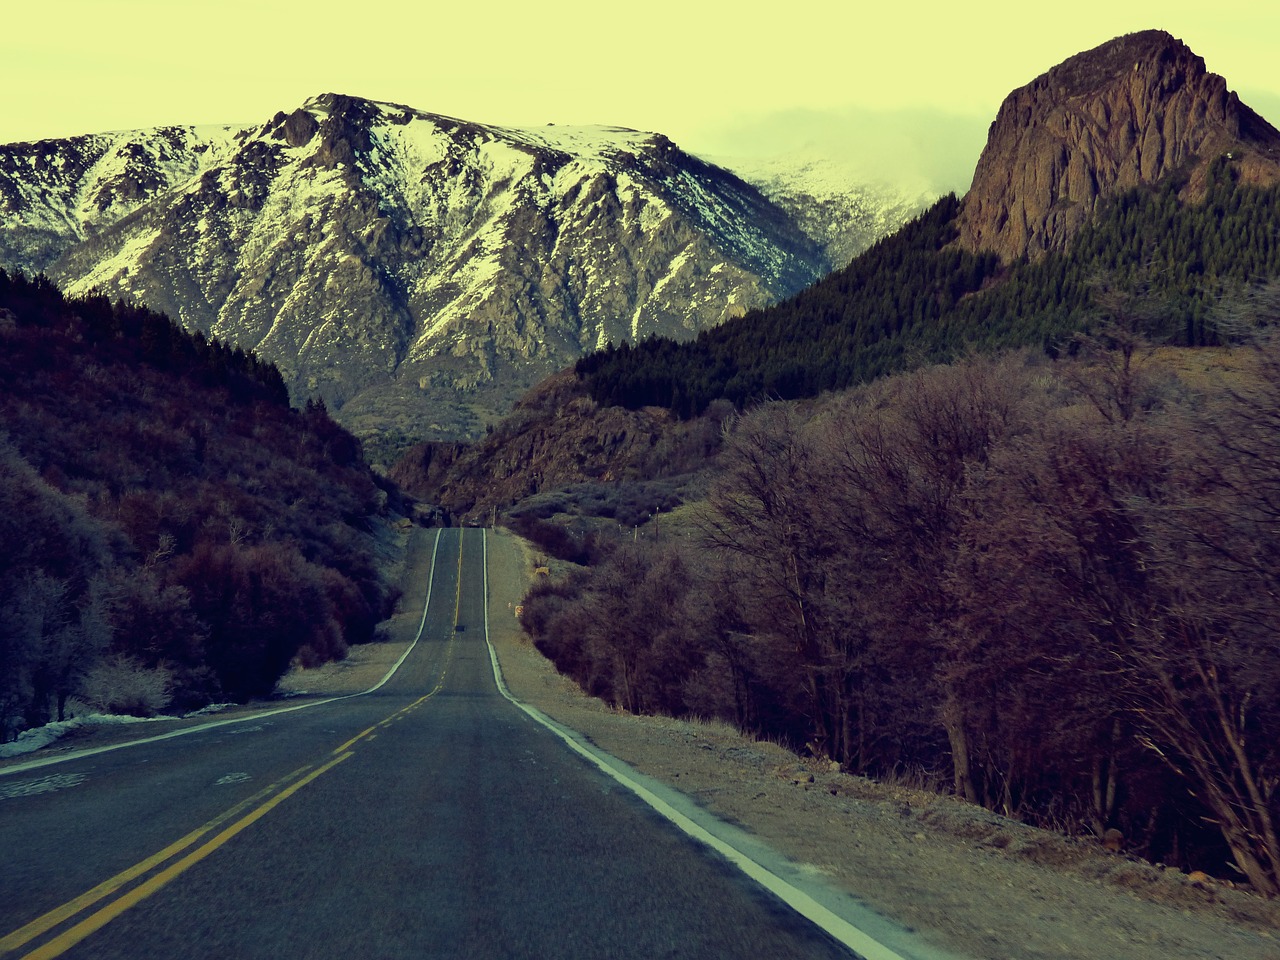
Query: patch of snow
38, 738
594, 142
419, 139
123, 262
673, 269
653, 214
49, 784
211, 708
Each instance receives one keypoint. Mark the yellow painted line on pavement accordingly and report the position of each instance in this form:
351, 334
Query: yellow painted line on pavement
265, 800
96, 921
457, 608
69, 909
371, 732
353, 741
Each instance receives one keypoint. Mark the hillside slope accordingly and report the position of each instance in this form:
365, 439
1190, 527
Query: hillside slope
415, 271
174, 532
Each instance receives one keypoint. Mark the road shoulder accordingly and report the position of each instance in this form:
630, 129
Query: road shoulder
971, 882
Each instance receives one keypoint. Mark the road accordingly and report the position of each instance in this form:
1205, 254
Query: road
427, 818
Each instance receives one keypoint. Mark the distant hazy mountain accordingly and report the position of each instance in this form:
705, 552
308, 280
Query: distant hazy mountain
829, 202
416, 271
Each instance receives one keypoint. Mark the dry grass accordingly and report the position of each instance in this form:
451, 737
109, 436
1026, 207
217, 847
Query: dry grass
363, 666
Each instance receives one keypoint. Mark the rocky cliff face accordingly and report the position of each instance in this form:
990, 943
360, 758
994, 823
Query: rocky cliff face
415, 271
1133, 111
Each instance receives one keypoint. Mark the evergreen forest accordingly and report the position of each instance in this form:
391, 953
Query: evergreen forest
916, 298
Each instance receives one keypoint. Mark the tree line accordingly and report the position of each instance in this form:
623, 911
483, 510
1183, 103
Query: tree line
915, 298
175, 533
1045, 584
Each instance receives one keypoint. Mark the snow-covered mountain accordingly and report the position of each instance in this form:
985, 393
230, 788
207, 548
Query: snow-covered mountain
830, 202
415, 271
57, 193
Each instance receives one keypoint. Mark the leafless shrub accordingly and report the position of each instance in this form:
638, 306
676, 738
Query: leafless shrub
120, 685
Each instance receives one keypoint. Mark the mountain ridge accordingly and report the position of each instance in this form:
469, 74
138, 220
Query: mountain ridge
415, 271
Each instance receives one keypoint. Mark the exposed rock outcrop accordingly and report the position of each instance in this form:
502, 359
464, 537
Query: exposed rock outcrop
1133, 111
415, 271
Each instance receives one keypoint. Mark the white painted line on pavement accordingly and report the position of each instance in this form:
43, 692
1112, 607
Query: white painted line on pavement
93, 751
431, 579
804, 904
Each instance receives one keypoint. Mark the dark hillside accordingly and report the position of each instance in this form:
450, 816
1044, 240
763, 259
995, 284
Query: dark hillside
558, 438
916, 297
175, 533
1048, 585
850, 326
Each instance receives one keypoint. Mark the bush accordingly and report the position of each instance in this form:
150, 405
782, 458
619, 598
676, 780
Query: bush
121, 685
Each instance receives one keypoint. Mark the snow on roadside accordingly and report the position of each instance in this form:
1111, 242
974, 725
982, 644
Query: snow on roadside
37, 738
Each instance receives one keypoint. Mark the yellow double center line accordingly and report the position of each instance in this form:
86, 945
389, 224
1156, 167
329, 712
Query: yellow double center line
258, 805
291, 784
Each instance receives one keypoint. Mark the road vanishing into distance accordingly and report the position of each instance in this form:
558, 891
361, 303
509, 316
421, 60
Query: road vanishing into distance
429, 817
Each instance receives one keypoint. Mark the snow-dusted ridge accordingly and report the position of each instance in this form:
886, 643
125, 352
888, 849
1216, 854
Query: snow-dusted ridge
414, 270
830, 202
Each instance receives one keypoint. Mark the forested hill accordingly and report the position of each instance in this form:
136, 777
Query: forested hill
916, 297
174, 533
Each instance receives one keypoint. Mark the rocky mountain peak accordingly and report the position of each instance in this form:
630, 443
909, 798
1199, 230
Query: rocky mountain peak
416, 271
297, 128
1132, 111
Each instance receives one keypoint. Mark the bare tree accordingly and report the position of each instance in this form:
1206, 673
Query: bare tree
1047, 570
1115, 374
900, 464
763, 515
1206, 660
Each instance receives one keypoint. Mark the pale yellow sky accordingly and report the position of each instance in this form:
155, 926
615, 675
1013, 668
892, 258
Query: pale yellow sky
917, 82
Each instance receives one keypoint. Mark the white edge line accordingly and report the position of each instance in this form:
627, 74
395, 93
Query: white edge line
835, 925
94, 751
431, 578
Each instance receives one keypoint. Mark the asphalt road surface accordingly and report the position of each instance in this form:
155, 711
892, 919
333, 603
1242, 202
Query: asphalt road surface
428, 818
